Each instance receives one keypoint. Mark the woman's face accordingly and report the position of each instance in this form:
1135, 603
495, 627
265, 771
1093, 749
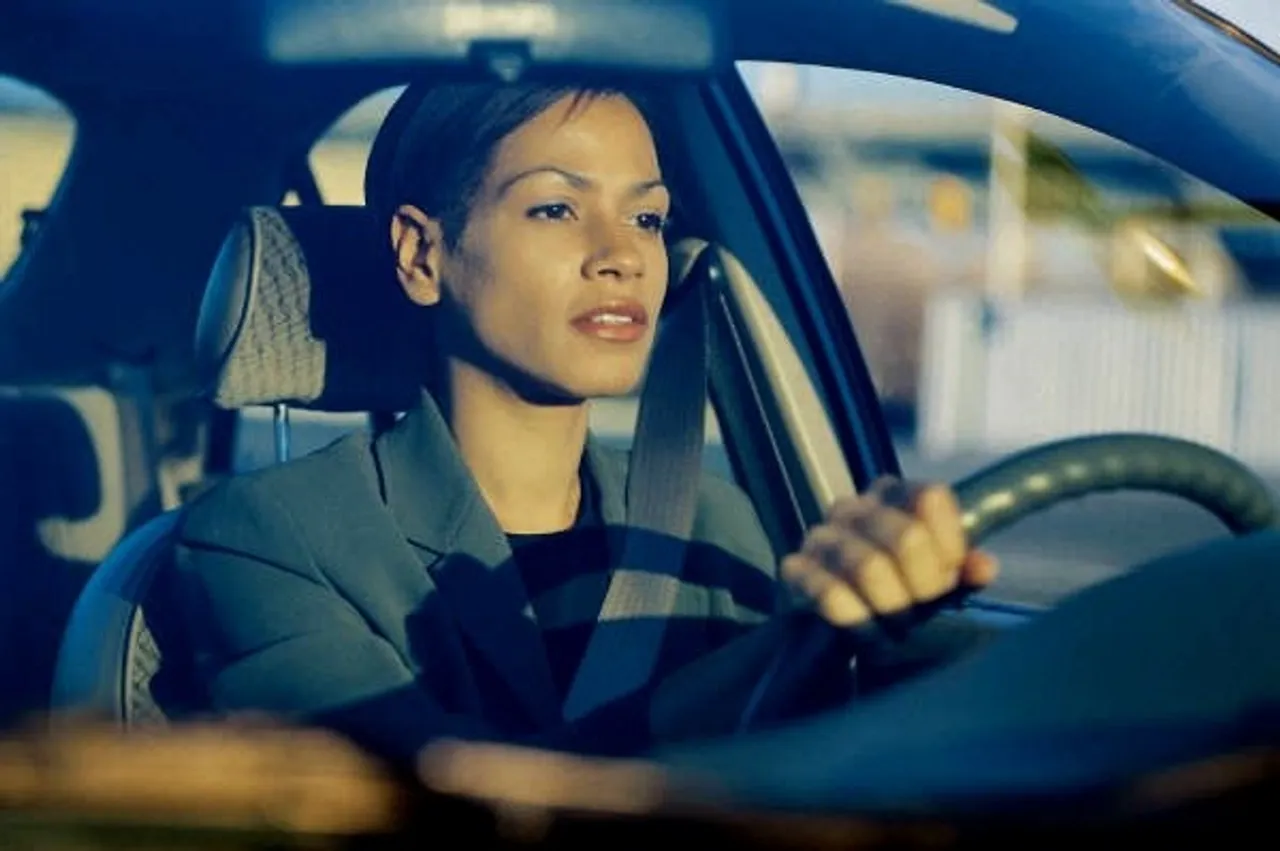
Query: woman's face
555, 283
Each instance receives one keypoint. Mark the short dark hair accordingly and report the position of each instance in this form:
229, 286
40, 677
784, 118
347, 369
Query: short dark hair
437, 143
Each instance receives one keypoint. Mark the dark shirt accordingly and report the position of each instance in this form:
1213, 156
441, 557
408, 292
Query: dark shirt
556, 563
566, 576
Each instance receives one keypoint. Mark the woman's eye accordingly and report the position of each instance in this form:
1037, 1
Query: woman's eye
552, 212
655, 222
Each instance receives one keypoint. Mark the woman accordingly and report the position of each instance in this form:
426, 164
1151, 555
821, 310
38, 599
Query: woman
372, 587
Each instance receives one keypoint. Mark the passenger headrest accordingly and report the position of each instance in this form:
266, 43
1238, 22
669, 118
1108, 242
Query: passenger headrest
303, 308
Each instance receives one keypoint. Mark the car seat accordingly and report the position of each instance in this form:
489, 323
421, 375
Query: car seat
296, 314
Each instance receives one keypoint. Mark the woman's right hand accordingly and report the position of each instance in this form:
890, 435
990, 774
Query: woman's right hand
886, 553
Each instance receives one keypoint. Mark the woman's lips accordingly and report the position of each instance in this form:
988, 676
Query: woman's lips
617, 322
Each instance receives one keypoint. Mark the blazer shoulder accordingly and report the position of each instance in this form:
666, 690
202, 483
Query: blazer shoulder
295, 494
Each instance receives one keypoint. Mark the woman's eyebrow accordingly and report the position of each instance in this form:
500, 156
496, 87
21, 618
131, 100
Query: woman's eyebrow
577, 181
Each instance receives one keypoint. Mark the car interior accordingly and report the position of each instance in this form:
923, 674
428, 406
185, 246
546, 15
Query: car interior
163, 429
191, 306
301, 312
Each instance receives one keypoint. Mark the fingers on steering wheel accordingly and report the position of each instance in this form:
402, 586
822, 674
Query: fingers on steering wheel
907, 542
979, 570
857, 561
935, 505
831, 596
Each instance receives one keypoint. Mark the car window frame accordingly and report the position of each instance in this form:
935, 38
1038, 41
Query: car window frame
32, 219
804, 292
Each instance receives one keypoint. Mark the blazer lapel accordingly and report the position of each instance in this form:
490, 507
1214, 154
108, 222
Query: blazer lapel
438, 506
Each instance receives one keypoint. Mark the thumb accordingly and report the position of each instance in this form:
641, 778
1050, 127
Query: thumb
979, 569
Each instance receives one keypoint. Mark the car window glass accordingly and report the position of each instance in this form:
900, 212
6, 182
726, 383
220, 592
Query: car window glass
338, 157
36, 133
1065, 284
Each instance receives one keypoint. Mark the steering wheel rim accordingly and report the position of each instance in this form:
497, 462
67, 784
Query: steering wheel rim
1041, 477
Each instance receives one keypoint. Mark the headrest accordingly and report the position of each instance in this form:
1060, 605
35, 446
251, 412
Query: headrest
303, 308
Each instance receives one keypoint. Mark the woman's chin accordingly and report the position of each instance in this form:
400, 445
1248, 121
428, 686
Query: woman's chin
570, 391
603, 386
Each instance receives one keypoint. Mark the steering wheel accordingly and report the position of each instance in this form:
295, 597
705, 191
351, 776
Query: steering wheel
1025, 484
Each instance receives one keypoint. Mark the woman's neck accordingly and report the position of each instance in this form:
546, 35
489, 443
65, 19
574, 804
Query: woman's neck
525, 457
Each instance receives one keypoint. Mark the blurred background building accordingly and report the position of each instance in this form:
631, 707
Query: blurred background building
1014, 277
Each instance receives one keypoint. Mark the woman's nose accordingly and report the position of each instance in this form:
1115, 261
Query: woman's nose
615, 255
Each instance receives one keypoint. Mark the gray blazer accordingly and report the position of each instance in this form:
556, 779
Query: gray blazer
368, 587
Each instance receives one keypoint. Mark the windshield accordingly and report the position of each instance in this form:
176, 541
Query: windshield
1014, 278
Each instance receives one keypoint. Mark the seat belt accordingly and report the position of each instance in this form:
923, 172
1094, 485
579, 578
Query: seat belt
663, 480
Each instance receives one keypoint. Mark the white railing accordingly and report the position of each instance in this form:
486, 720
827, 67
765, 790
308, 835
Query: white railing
997, 377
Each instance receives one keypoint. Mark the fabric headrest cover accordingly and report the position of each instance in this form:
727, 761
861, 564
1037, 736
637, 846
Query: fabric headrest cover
303, 308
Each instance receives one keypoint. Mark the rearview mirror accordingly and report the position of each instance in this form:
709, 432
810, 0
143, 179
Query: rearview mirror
681, 36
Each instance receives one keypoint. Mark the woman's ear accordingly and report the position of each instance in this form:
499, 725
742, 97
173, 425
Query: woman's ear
418, 242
